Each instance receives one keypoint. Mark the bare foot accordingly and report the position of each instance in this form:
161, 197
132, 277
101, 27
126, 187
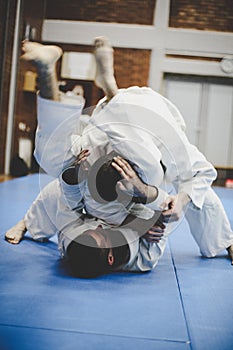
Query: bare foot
15, 234
230, 253
43, 56
104, 67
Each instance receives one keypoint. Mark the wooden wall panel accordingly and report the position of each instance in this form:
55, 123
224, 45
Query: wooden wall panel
202, 14
132, 67
130, 11
133, 61
25, 104
7, 20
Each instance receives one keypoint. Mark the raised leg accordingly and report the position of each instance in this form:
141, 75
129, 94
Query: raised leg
104, 67
210, 226
44, 57
56, 121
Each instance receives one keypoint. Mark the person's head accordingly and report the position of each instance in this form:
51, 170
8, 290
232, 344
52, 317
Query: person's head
103, 178
97, 252
106, 181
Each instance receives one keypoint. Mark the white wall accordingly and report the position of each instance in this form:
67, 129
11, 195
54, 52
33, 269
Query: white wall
208, 111
207, 108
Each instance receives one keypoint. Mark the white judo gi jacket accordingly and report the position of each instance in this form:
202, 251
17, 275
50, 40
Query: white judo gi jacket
194, 179
50, 215
146, 128
59, 138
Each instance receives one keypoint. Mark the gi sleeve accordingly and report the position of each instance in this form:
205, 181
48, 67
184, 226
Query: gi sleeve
190, 170
57, 122
143, 255
147, 256
140, 126
72, 194
118, 119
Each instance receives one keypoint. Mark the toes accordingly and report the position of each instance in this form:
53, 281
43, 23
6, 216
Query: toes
9, 236
13, 237
26, 46
12, 240
98, 41
101, 41
27, 56
57, 48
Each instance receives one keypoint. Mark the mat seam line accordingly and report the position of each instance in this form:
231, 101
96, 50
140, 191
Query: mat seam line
95, 333
180, 295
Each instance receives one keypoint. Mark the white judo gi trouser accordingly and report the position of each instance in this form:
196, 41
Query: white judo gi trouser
145, 127
58, 141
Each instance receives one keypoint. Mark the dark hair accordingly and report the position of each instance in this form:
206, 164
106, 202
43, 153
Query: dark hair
87, 260
106, 180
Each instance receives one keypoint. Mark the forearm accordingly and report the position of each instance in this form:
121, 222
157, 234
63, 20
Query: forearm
174, 206
148, 194
184, 198
139, 225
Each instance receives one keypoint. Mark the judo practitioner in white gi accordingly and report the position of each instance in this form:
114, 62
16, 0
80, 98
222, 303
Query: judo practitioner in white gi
162, 136
58, 207
149, 130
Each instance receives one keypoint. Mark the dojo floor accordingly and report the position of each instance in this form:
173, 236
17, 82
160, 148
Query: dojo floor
185, 303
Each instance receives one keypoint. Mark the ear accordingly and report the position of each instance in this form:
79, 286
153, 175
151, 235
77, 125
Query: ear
110, 258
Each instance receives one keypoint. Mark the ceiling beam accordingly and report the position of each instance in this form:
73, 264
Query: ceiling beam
181, 41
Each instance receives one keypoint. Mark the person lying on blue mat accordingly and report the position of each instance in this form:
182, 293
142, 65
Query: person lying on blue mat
141, 126
127, 247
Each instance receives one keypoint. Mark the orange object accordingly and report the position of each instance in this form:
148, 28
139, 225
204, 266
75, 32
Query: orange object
229, 183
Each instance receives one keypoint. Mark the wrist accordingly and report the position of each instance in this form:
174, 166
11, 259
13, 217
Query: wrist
147, 194
152, 193
184, 198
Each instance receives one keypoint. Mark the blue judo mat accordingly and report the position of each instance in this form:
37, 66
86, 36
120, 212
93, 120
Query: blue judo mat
185, 303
